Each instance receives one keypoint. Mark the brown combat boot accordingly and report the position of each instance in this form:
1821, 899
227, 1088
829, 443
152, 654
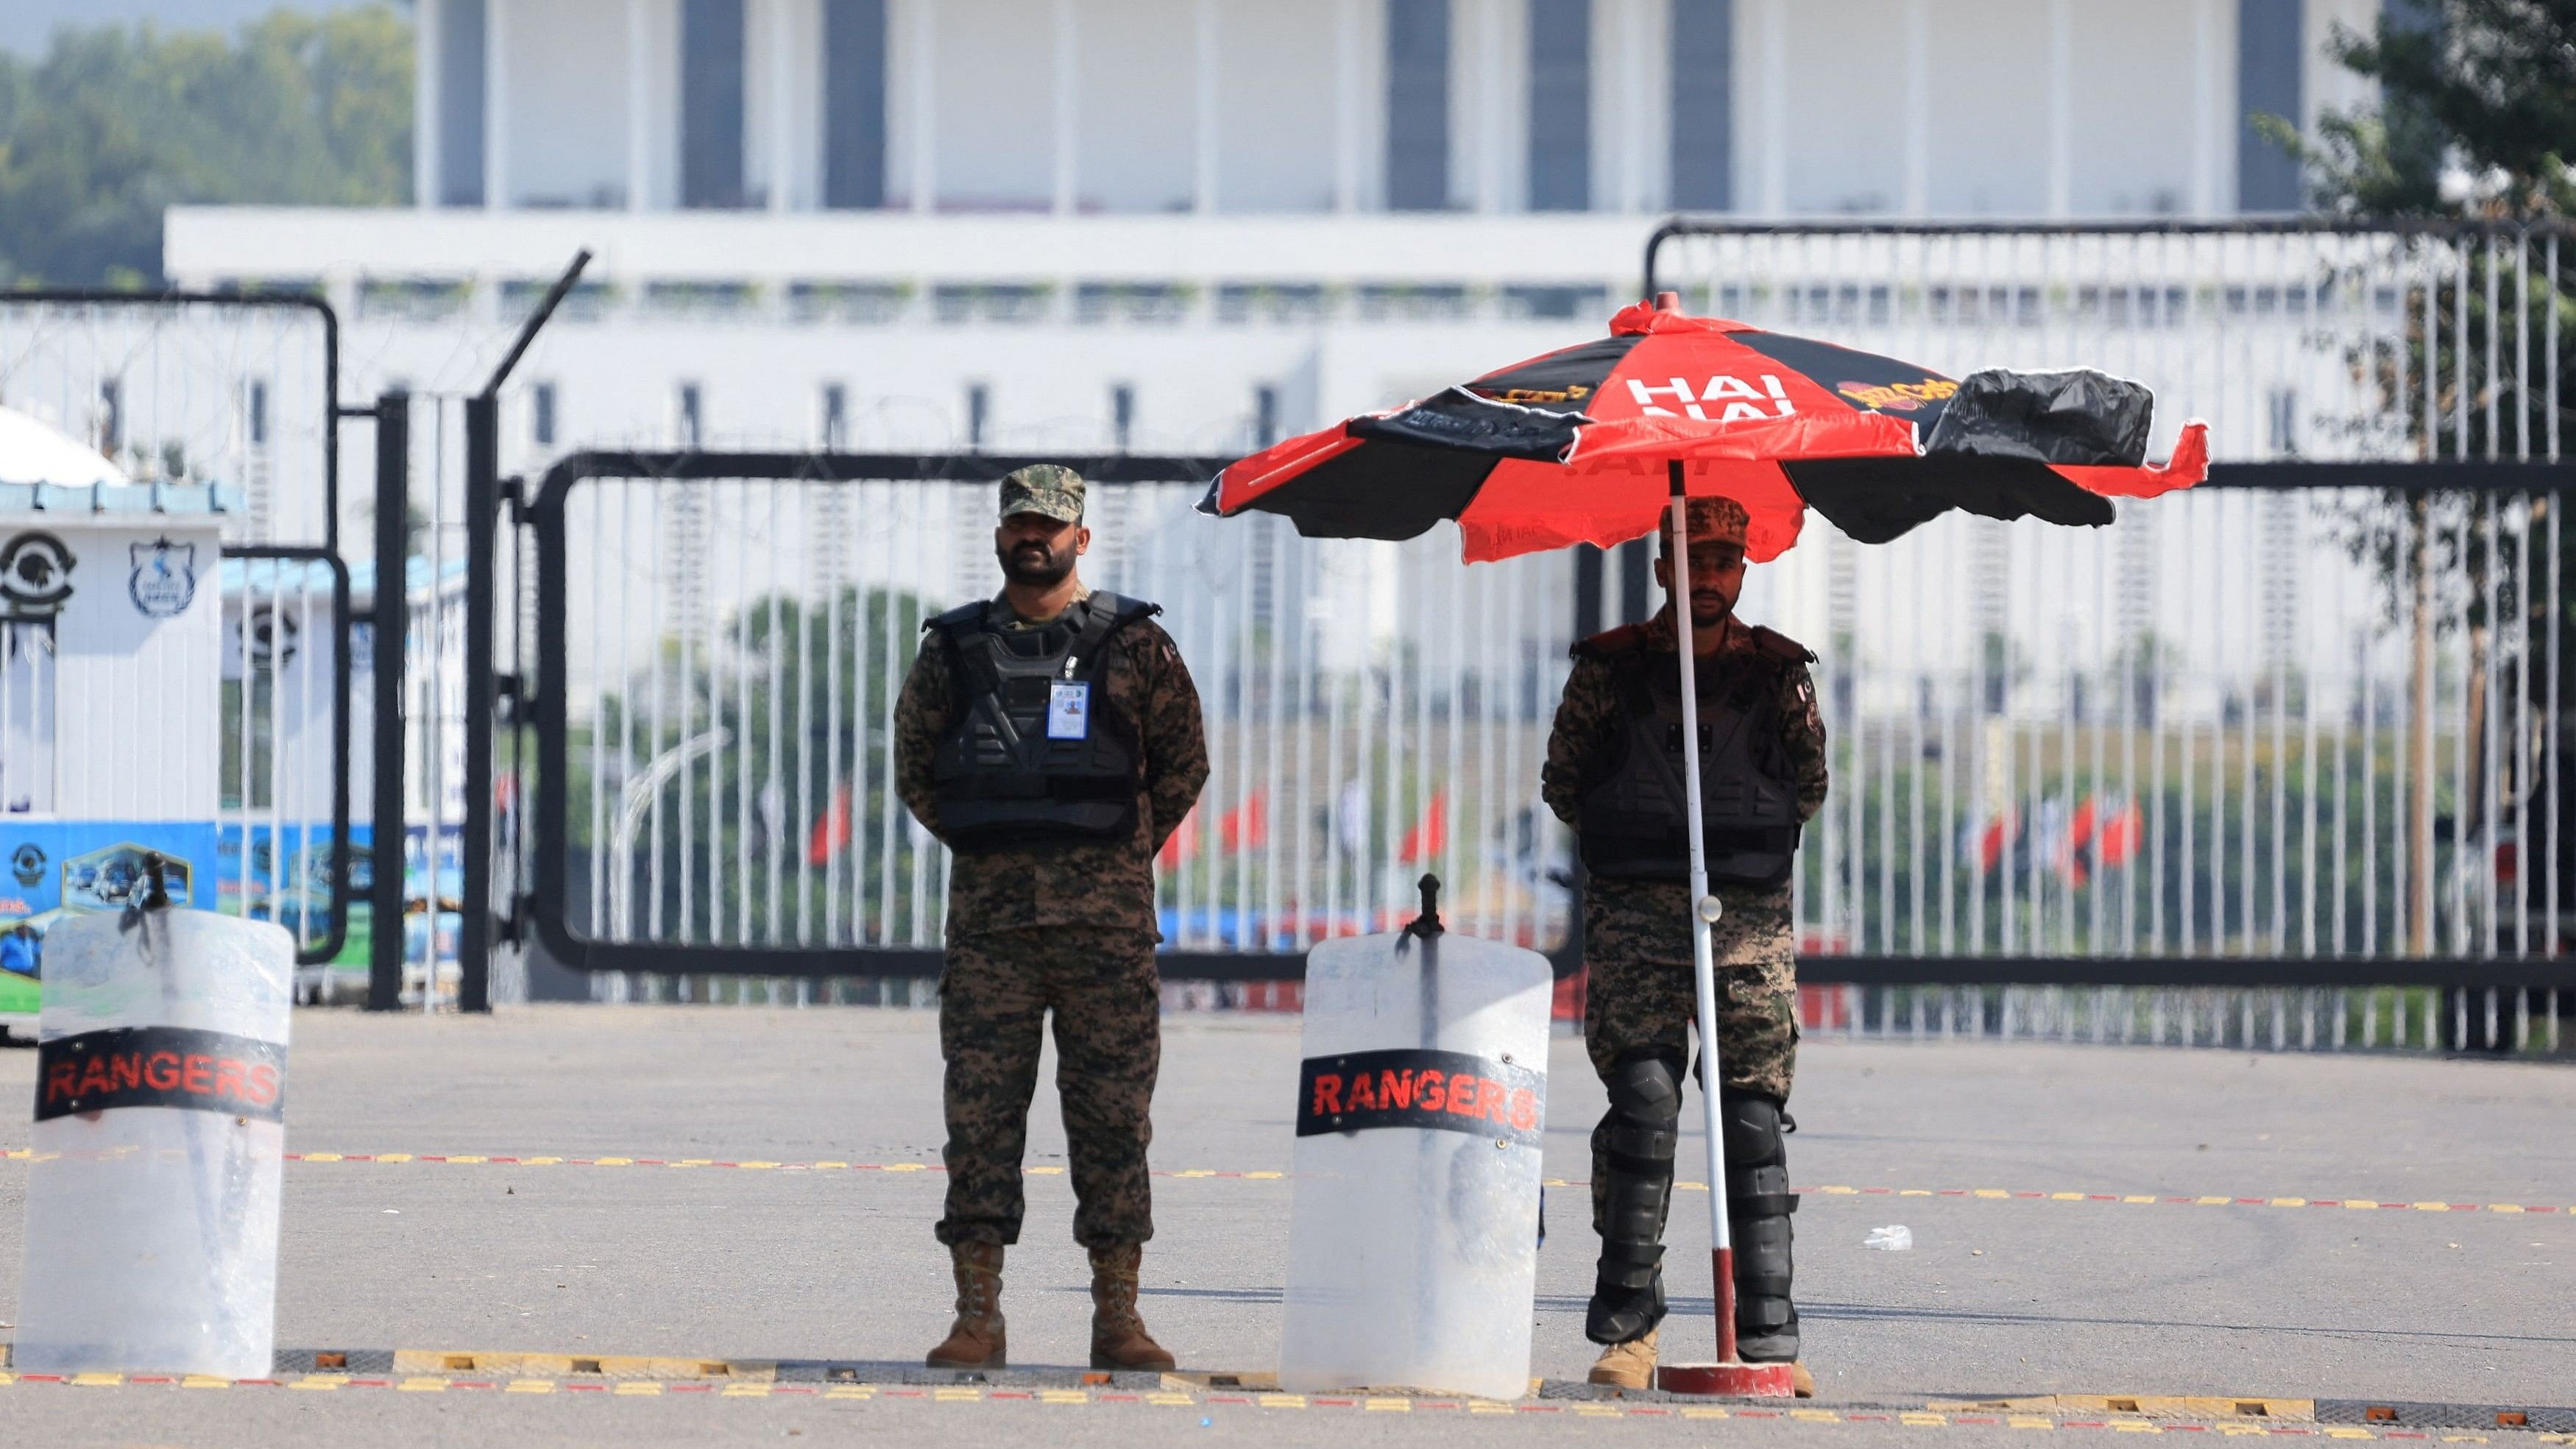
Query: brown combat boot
975, 1339
1118, 1336
1804, 1381
1629, 1365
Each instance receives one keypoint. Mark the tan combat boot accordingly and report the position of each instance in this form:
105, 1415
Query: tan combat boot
1805, 1381
1118, 1336
1629, 1365
975, 1339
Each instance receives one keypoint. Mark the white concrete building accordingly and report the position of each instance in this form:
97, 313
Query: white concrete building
1195, 224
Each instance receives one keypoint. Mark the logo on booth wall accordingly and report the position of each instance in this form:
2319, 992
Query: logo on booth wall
164, 582
27, 863
35, 576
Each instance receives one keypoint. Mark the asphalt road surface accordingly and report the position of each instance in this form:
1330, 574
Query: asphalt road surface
2086, 1221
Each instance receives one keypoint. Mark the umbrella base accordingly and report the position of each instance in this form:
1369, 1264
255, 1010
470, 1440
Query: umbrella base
1729, 1380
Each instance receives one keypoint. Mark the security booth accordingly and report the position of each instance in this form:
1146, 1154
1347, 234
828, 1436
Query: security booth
110, 699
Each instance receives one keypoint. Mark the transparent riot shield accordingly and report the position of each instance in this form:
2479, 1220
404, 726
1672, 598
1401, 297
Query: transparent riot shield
1413, 1239
152, 1200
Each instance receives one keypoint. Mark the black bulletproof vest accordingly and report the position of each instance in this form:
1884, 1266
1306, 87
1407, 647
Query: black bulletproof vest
1002, 783
1633, 816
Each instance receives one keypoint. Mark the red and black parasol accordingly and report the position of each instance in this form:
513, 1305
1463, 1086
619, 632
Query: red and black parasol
1573, 446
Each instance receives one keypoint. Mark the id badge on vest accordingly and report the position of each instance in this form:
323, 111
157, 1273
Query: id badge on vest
1069, 710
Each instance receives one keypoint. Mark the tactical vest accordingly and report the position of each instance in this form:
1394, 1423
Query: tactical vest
1012, 770
1632, 821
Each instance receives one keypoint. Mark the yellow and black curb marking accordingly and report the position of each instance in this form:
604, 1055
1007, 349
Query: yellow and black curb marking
2231, 1418
446, 1371
1986, 1193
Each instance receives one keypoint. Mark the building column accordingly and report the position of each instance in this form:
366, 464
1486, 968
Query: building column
925, 106
782, 104
1635, 78
1775, 107
2207, 88
1492, 155
1068, 110
496, 110
2061, 109
1347, 161
1203, 132
426, 115
1918, 109
639, 104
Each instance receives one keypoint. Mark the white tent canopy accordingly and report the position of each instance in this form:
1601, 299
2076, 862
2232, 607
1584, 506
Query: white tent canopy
32, 451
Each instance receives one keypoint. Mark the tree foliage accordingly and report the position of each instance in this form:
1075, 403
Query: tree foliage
114, 125
2482, 89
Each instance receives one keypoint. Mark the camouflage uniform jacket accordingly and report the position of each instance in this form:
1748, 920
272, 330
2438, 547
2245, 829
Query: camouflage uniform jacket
1088, 883
1587, 724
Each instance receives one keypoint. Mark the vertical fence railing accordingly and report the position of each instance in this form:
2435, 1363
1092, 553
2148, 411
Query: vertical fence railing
283, 840
2307, 715
729, 636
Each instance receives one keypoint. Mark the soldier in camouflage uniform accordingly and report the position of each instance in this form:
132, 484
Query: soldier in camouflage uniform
1766, 745
1051, 737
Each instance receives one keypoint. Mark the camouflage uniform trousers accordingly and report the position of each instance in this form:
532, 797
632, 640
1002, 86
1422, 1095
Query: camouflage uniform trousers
1639, 997
995, 991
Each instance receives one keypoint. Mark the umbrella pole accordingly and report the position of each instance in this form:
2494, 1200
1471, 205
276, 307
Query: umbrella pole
1704, 910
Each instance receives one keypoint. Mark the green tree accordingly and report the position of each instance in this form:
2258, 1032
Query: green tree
2484, 87
115, 125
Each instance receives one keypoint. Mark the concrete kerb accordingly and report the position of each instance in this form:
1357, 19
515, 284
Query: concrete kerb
2072, 1409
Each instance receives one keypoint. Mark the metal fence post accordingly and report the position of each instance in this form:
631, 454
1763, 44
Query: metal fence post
482, 537
393, 622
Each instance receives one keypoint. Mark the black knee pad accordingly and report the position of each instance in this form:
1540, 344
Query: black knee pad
1753, 1126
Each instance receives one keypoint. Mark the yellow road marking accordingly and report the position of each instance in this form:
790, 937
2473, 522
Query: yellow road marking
423, 1386
97, 1380
532, 1386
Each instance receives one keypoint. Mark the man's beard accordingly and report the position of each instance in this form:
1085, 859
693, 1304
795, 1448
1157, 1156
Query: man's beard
1711, 614
1035, 565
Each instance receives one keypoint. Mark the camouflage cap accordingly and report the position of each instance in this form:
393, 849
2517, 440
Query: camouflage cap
1050, 490
1712, 520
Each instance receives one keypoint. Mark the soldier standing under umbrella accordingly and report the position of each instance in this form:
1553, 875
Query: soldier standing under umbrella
1614, 773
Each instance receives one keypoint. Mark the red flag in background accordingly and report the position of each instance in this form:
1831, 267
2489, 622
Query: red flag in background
1247, 826
2121, 836
1183, 844
1429, 835
832, 832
